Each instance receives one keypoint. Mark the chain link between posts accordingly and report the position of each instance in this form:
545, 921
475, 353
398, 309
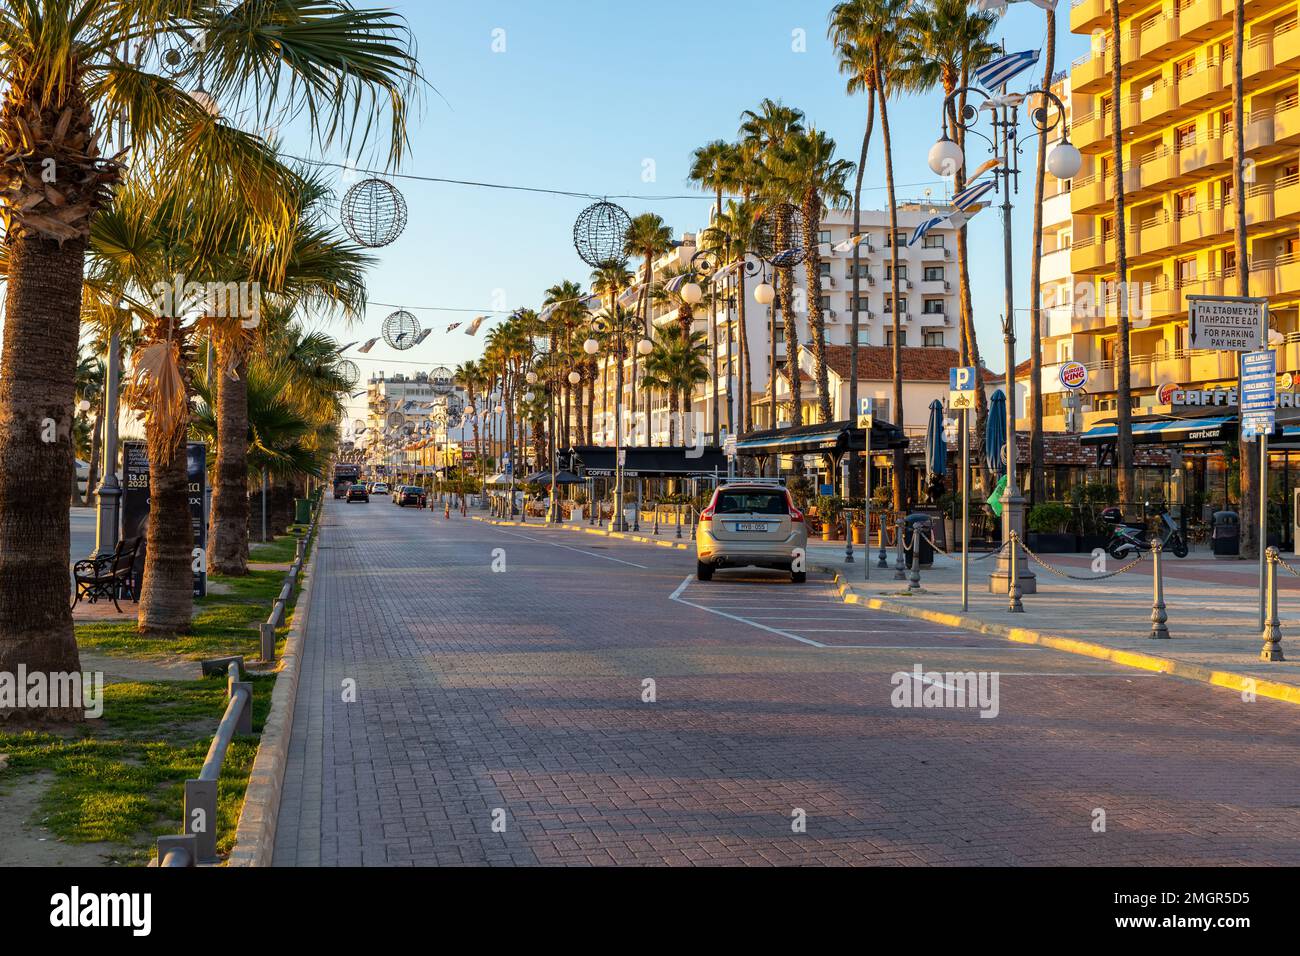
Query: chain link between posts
957, 556
1278, 559
1079, 577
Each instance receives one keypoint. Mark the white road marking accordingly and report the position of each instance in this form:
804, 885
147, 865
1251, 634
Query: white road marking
677, 596
606, 557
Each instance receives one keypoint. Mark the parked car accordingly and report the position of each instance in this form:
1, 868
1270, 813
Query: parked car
751, 524
379, 488
410, 495
358, 493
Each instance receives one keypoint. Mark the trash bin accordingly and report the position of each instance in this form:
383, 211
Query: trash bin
302, 511
926, 526
1225, 535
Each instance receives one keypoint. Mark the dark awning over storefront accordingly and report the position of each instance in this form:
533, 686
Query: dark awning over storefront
1167, 431
593, 461
832, 438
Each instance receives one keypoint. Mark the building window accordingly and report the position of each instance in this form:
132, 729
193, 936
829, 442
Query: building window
863, 271
934, 273
825, 303
932, 307
1185, 136
902, 337
1184, 203
824, 269
889, 272
824, 236
861, 303
934, 340
932, 242
863, 337
1185, 270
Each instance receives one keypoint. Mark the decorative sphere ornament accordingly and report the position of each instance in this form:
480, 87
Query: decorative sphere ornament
574, 378
373, 213
692, 294
782, 231
645, 347
348, 373
528, 396
531, 378
1064, 161
591, 346
599, 233
400, 330
764, 293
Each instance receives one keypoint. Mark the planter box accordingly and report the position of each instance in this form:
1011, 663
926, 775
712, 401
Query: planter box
1051, 543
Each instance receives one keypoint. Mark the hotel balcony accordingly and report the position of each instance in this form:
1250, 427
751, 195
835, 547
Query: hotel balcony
1211, 366
1201, 228
1091, 73
1091, 132
1286, 50
1198, 19
1286, 198
1152, 238
1159, 39
1272, 56
1089, 15
1155, 104
1204, 285
931, 319
1154, 174
1286, 121
1089, 256
1203, 85
1286, 276
1259, 132
1203, 155
1173, 367
1091, 194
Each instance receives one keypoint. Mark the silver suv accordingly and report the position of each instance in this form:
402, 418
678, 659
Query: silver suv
751, 523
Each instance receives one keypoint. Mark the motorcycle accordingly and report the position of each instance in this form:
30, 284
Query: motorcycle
1129, 538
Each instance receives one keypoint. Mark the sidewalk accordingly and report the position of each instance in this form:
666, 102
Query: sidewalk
1211, 606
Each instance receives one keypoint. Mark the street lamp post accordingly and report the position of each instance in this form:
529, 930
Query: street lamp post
947, 158
705, 263
108, 496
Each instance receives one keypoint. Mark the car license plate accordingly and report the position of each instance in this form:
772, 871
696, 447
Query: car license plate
751, 526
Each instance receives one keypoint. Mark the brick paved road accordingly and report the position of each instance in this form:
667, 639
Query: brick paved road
519, 693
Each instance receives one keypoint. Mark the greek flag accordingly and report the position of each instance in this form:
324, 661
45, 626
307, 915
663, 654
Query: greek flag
924, 227
848, 244
788, 257
676, 282
1004, 68
971, 194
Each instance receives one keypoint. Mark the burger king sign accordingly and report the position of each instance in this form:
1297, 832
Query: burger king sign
1074, 375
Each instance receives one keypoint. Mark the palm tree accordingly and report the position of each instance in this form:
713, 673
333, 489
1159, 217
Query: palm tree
1251, 491
855, 61
766, 131
1123, 378
648, 238
714, 166
812, 174
678, 362
943, 45
567, 313
1036, 446
609, 280
736, 233
879, 28
90, 389
332, 64
468, 377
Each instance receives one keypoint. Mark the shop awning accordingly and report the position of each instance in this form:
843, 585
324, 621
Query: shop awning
595, 461
1167, 431
828, 438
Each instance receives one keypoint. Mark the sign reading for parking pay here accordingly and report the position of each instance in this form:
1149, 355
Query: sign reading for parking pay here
1227, 323
961, 387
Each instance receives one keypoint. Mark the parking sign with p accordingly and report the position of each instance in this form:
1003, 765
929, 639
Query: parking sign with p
961, 387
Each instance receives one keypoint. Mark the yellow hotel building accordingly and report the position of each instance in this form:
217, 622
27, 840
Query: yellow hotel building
1176, 103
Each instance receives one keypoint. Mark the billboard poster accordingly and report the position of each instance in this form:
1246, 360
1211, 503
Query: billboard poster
135, 500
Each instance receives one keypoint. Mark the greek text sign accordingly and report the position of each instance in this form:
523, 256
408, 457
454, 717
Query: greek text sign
1227, 323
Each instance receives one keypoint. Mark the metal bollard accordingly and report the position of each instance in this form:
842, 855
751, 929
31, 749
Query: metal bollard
1014, 604
882, 561
900, 565
267, 633
914, 578
1158, 616
1272, 650
656, 528
678, 508
848, 536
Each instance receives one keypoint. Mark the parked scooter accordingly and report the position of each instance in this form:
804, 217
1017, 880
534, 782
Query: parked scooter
1128, 538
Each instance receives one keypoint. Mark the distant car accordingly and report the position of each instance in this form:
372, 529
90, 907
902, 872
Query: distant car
751, 524
410, 495
379, 488
341, 489
358, 493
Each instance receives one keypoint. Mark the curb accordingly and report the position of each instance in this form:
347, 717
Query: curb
1126, 658
622, 535
255, 834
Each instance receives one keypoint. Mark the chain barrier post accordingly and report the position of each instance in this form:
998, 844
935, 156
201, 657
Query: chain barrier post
900, 565
914, 578
883, 561
1013, 585
678, 508
965, 511
656, 528
1272, 650
1158, 616
848, 536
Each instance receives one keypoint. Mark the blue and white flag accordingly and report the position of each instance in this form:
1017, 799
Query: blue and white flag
848, 244
994, 74
923, 228
788, 257
971, 194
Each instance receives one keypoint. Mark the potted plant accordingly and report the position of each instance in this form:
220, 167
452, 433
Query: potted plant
830, 511
1048, 528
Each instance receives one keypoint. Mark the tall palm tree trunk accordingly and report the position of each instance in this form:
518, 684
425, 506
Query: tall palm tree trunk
746, 391
37, 376
1036, 452
812, 221
228, 550
92, 473
900, 454
1123, 381
1251, 492
167, 602
791, 328
856, 322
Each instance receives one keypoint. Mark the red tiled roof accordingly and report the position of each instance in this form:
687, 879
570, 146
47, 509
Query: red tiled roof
876, 363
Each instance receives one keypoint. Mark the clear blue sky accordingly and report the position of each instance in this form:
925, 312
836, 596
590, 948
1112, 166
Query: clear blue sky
584, 93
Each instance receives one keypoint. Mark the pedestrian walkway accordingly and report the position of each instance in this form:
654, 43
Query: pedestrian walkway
1212, 608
